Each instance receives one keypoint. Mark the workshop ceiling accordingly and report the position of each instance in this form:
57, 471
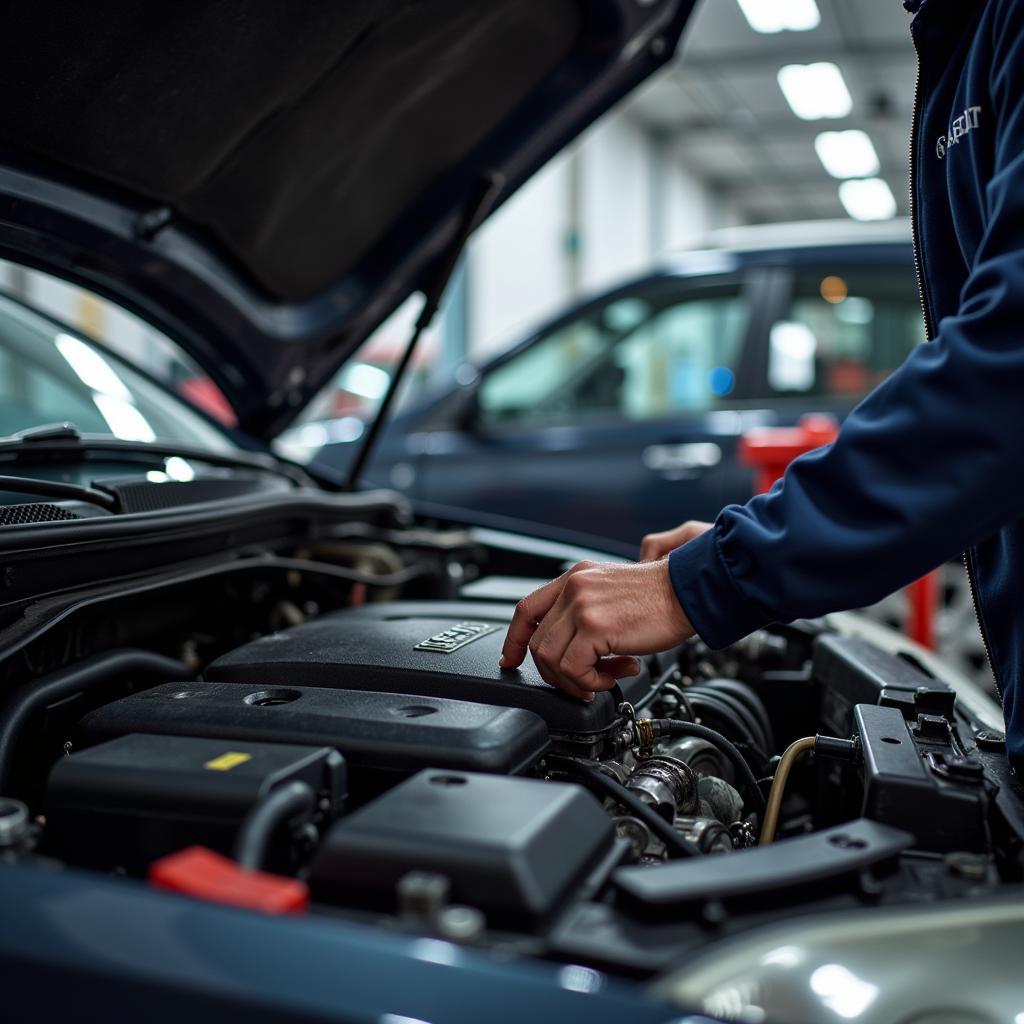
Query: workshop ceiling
721, 106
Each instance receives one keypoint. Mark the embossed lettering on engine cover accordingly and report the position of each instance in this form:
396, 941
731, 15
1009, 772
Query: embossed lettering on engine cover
457, 636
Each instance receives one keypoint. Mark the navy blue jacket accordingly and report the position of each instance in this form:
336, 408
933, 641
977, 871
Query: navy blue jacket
931, 463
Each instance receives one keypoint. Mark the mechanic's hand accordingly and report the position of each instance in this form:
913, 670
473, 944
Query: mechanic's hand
658, 545
573, 625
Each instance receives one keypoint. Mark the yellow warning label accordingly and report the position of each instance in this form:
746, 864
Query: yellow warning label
225, 762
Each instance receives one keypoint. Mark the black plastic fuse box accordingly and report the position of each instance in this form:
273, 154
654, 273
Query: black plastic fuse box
127, 802
919, 783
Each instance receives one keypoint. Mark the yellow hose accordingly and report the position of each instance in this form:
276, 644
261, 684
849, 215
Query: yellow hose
771, 811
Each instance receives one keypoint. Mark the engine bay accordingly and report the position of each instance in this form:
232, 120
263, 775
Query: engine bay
323, 728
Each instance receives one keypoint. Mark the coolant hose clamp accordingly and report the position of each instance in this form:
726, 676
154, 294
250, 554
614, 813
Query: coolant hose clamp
643, 728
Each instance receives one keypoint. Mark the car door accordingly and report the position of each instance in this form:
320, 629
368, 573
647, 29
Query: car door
620, 419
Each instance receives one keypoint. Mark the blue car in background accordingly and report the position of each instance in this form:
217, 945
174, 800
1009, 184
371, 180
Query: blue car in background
623, 414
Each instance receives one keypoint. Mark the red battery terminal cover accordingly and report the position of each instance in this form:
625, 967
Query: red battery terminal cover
206, 875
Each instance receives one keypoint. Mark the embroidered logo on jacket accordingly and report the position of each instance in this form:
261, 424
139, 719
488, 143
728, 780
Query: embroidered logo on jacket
958, 128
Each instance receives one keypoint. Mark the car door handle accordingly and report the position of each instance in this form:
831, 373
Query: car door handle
682, 459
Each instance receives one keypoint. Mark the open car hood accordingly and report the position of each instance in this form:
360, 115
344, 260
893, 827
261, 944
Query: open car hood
267, 182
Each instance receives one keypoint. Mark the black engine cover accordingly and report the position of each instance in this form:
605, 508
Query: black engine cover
430, 648
383, 736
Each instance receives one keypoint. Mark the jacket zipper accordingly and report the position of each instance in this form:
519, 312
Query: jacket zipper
969, 568
929, 334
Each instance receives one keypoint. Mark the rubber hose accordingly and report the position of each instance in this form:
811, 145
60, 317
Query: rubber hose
771, 814
725, 708
675, 844
744, 692
39, 693
671, 727
709, 707
273, 811
758, 736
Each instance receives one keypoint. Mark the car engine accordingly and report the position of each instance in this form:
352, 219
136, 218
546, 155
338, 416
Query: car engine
325, 729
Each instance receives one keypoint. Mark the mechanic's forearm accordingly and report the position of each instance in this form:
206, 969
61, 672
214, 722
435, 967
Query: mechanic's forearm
930, 463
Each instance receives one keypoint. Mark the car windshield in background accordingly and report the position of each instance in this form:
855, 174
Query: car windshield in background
136, 342
48, 375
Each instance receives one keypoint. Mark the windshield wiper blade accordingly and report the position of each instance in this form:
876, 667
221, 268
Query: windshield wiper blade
55, 439
55, 489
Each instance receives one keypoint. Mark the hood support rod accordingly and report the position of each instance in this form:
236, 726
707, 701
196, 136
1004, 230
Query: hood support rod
476, 210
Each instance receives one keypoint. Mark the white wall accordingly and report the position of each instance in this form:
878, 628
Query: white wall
610, 195
690, 211
616, 195
518, 270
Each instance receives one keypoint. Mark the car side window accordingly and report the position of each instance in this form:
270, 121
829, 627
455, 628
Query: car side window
844, 333
636, 357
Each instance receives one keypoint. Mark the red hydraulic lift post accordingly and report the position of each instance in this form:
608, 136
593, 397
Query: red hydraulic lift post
769, 450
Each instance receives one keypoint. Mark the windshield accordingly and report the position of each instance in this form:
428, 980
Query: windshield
49, 375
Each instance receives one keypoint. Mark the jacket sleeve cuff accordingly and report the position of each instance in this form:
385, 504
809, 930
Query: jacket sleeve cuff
716, 608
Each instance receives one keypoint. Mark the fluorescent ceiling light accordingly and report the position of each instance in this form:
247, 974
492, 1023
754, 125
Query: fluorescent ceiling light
771, 16
847, 154
815, 91
867, 199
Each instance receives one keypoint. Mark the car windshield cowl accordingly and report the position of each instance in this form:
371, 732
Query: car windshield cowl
64, 442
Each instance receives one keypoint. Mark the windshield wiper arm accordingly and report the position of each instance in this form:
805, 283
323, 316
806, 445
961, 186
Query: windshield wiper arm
46, 432
55, 489
478, 207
